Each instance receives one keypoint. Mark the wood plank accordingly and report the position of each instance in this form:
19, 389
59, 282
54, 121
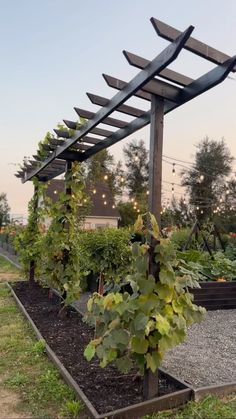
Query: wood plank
157, 87
197, 47
167, 74
108, 121
102, 101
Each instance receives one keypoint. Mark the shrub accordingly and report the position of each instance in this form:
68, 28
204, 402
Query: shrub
105, 251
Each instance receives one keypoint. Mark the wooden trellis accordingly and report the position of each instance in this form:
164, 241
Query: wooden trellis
154, 83
163, 88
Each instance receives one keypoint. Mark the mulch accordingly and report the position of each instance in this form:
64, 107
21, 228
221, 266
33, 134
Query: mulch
107, 389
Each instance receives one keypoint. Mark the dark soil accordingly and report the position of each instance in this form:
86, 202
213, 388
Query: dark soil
107, 389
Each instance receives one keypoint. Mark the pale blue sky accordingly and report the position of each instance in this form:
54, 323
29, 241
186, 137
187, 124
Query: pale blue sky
53, 51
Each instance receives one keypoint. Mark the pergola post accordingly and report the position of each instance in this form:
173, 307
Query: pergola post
150, 385
155, 156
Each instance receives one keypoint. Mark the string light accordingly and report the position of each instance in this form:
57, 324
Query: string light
201, 178
113, 206
85, 200
105, 202
173, 170
94, 191
172, 189
136, 157
105, 177
227, 191
147, 193
103, 195
122, 179
55, 192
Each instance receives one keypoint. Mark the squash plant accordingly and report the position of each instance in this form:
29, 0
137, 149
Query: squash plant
60, 267
137, 328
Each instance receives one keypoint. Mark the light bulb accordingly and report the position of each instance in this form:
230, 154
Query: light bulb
147, 192
136, 157
173, 170
105, 177
201, 177
103, 195
105, 202
94, 191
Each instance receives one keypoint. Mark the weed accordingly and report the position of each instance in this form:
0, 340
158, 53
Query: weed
39, 347
72, 409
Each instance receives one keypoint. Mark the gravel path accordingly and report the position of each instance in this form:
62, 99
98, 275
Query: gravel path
209, 354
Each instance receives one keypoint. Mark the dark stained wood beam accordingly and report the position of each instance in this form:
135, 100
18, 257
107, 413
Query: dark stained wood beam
197, 47
157, 87
128, 110
173, 76
109, 121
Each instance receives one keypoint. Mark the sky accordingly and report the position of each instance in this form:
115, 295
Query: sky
54, 51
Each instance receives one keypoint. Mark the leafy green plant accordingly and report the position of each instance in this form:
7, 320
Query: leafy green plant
39, 347
137, 328
60, 261
72, 409
105, 251
28, 241
206, 268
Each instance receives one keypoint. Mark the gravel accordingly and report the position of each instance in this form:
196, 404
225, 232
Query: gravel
209, 354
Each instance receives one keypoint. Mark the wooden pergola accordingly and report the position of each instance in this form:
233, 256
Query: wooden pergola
165, 89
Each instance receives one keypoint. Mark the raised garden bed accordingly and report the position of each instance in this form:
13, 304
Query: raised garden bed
105, 392
216, 295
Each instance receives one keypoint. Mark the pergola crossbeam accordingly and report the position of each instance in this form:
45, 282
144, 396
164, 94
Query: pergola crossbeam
109, 121
102, 101
168, 55
156, 87
170, 75
197, 47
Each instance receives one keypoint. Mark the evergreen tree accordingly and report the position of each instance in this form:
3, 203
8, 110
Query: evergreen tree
4, 210
137, 165
205, 180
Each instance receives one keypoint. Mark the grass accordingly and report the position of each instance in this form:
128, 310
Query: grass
210, 408
24, 367
6, 266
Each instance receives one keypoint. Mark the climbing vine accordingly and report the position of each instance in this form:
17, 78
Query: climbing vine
136, 328
59, 250
28, 241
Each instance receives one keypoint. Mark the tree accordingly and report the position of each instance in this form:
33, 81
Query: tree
4, 210
102, 168
128, 214
206, 179
137, 165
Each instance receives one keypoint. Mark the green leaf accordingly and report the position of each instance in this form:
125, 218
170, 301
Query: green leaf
140, 346
165, 292
153, 360
124, 364
155, 227
177, 307
146, 286
121, 336
140, 321
89, 351
167, 277
162, 324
